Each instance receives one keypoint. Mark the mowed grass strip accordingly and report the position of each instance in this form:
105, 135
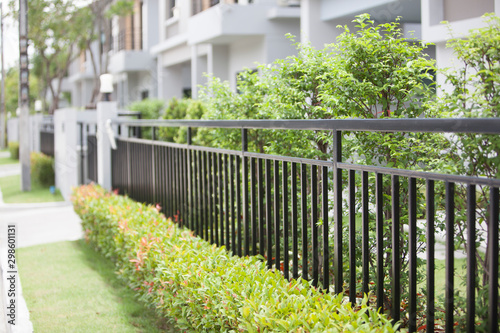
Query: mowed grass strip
11, 192
8, 160
69, 287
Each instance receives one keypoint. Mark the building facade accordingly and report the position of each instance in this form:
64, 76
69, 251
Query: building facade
165, 48
219, 37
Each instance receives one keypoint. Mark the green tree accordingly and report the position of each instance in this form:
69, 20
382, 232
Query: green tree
373, 72
12, 90
149, 109
54, 30
473, 91
97, 28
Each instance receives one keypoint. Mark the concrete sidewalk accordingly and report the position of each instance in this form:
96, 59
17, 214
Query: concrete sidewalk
35, 224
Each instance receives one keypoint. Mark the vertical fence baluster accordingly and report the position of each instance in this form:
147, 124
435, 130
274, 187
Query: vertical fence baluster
206, 218
199, 204
431, 236
186, 188
471, 257
412, 248
396, 256
82, 156
314, 224
326, 250
173, 179
216, 185
246, 216
269, 216
238, 204
210, 196
226, 197
189, 170
352, 236
303, 197
277, 229
493, 261
192, 189
450, 262
380, 239
337, 260
365, 248
295, 228
284, 196
168, 183
261, 184
233, 201
223, 191
253, 204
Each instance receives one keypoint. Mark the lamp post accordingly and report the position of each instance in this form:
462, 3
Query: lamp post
106, 86
24, 99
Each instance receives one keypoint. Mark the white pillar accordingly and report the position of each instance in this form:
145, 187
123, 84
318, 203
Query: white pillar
36, 121
313, 28
105, 111
65, 150
194, 71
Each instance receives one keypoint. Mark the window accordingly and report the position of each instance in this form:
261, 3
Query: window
186, 93
170, 6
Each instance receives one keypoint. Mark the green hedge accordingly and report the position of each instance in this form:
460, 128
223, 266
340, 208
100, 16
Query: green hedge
14, 150
202, 287
42, 169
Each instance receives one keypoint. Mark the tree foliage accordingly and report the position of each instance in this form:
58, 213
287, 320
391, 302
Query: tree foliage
473, 91
55, 31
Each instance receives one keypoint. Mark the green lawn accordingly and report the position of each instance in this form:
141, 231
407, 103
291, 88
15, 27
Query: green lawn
69, 287
8, 160
11, 191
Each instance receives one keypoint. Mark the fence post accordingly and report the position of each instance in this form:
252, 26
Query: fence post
36, 122
65, 150
105, 111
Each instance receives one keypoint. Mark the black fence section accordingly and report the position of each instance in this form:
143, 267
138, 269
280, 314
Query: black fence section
92, 158
47, 137
286, 209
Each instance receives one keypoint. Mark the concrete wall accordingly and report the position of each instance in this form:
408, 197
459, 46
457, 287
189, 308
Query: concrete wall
245, 54
65, 150
457, 10
13, 130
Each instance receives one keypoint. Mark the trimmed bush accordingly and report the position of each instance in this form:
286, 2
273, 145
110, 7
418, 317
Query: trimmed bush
201, 287
42, 169
14, 150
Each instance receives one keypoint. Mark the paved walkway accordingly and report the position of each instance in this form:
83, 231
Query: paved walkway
35, 224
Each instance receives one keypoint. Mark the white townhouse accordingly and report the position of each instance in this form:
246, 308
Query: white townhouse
127, 56
219, 37
164, 48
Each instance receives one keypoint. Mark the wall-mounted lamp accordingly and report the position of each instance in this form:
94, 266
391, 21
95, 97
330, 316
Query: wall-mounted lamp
38, 105
106, 86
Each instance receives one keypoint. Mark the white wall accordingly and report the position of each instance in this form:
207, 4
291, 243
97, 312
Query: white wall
13, 130
65, 150
314, 30
245, 54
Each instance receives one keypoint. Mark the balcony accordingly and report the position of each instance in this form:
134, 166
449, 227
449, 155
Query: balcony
227, 22
130, 61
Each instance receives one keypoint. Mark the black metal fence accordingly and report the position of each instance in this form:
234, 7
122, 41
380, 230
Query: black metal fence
47, 137
280, 207
92, 158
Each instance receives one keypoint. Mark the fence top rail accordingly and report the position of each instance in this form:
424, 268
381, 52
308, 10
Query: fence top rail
329, 163
451, 125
